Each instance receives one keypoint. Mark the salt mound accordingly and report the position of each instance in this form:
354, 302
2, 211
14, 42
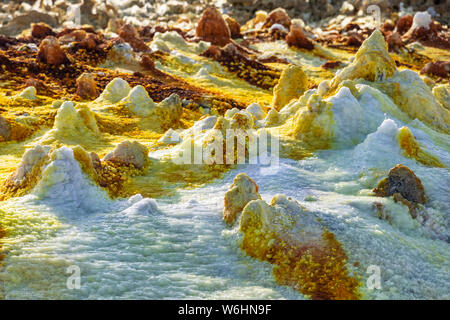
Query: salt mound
115, 91
63, 182
70, 121
129, 153
291, 85
5, 130
338, 120
411, 94
139, 102
28, 93
422, 19
372, 61
30, 159
169, 110
142, 207
284, 234
442, 94
242, 191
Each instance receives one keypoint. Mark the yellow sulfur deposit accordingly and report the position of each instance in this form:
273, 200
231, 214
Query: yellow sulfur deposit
305, 256
372, 62
412, 149
291, 85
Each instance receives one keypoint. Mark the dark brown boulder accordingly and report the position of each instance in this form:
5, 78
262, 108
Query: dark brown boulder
212, 28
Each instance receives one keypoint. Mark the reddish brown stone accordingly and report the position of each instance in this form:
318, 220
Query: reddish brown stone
86, 86
212, 28
297, 38
331, 65
402, 180
213, 52
353, 41
278, 16
394, 41
50, 52
90, 42
147, 63
234, 26
129, 34
404, 23
41, 30
438, 68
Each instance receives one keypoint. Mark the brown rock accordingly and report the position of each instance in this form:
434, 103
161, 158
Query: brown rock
5, 130
213, 52
331, 64
50, 52
278, 16
86, 86
242, 191
297, 38
387, 27
438, 68
234, 26
212, 28
394, 41
147, 63
402, 180
41, 30
404, 23
90, 42
353, 41
129, 34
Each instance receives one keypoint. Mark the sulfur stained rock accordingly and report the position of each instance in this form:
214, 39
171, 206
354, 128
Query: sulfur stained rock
212, 28
277, 16
41, 30
129, 34
372, 61
5, 130
50, 52
86, 86
297, 38
242, 191
32, 159
127, 153
403, 181
291, 85
234, 26
306, 256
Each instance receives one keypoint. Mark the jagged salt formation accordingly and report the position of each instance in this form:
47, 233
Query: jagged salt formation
284, 234
137, 101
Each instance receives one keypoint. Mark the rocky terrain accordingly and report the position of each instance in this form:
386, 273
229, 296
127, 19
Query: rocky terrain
238, 150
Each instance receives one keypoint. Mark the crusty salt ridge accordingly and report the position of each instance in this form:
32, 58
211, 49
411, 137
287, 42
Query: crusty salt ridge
62, 181
241, 192
72, 125
139, 102
28, 93
372, 62
291, 85
114, 91
305, 255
